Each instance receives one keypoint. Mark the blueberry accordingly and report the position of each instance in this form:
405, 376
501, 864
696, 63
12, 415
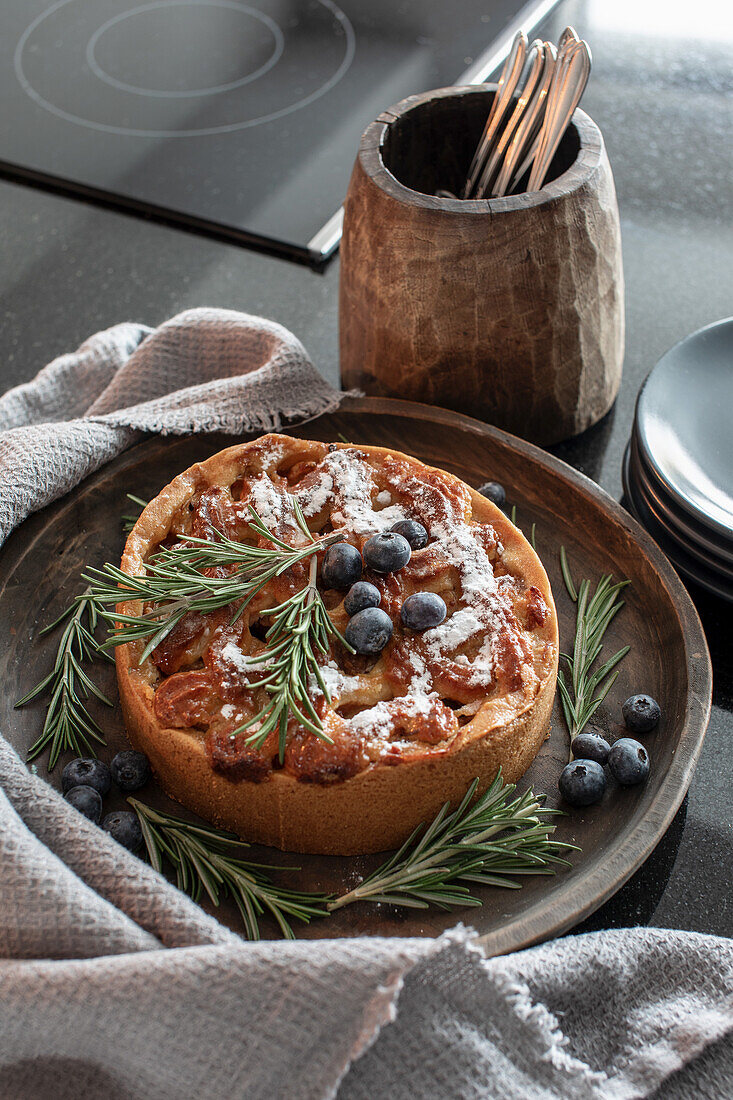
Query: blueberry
582, 782
130, 770
590, 746
413, 531
87, 772
495, 492
423, 610
629, 762
386, 552
87, 800
361, 595
369, 631
641, 713
342, 566
124, 827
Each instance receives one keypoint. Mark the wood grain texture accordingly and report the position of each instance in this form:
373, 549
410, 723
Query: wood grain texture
39, 574
510, 309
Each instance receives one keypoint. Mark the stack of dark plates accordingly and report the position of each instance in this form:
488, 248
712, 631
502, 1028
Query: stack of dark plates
678, 466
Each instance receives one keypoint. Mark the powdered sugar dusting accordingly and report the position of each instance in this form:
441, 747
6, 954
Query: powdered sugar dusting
242, 662
317, 496
463, 625
270, 503
232, 654
478, 615
337, 683
348, 483
349, 495
379, 719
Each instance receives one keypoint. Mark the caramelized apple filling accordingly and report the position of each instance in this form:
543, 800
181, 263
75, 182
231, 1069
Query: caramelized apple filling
413, 699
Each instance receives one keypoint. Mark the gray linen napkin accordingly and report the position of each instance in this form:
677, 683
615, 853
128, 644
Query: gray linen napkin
115, 985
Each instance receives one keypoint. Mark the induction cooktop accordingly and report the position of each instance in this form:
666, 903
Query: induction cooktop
236, 119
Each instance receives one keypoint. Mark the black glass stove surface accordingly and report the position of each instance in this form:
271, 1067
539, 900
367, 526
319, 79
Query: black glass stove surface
243, 118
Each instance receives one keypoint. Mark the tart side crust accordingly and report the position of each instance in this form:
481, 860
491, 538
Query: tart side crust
378, 808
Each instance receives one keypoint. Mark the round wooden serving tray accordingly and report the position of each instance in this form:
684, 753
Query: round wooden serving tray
39, 571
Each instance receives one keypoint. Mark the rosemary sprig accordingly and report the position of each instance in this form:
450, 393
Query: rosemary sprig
207, 860
175, 584
68, 724
583, 688
299, 631
500, 835
481, 843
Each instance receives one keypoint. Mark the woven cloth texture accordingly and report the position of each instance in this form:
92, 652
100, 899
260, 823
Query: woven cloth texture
113, 984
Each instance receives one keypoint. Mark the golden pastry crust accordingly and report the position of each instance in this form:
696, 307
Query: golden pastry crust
410, 729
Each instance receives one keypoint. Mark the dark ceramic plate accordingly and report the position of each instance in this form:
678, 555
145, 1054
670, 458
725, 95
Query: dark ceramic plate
683, 425
667, 520
681, 525
686, 562
40, 567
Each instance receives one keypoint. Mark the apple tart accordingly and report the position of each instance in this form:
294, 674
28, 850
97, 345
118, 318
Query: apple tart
398, 732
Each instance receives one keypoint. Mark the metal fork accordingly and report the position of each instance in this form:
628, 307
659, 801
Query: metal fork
508, 81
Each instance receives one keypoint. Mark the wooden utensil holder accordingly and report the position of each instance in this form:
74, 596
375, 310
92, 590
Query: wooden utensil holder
509, 309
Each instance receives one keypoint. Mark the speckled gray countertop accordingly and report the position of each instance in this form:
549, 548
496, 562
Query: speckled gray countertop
665, 106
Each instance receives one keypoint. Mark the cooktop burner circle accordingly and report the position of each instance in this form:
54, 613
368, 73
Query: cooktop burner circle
57, 65
275, 34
